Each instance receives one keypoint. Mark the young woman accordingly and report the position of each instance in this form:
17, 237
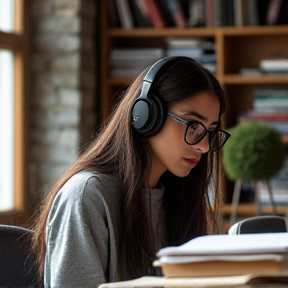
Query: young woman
143, 184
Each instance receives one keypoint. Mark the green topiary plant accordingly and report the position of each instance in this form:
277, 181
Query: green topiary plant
255, 151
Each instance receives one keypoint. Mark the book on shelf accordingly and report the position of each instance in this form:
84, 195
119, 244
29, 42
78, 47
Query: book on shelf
176, 13
279, 187
203, 51
113, 19
183, 46
273, 11
267, 116
196, 13
136, 53
164, 8
274, 65
209, 13
226, 255
140, 13
241, 13
249, 281
124, 13
253, 12
128, 62
250, 71
155, 14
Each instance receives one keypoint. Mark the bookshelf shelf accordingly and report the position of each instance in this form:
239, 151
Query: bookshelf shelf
257, 80
208, 32
229, 79
162, 32
250, 209
236, 48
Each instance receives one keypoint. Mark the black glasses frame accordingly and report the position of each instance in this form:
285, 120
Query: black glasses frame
210, 133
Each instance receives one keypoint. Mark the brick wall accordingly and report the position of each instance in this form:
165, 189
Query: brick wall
63, 88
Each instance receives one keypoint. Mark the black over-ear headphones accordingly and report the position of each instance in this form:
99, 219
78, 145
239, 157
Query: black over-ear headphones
148, 112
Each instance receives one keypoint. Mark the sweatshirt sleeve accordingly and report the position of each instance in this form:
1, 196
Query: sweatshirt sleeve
76, 256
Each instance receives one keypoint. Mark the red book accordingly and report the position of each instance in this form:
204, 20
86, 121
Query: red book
155, 14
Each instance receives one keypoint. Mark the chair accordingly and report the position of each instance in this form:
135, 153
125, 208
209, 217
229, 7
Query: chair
16, 259
260, 224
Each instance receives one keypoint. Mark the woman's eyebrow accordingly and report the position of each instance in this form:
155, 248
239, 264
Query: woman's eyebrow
201, 117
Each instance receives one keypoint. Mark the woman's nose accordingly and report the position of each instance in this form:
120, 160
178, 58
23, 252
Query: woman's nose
203, 146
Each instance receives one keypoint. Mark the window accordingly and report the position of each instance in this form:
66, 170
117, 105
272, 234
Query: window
13, 49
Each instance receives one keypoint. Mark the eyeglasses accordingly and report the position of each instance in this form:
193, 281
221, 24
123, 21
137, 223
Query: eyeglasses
195, 131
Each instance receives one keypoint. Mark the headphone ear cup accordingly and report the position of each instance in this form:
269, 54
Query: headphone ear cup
156, 117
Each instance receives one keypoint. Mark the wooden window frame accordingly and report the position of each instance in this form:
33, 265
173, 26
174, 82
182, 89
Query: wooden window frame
17, 42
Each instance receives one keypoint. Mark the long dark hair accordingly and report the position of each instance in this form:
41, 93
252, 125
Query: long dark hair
118, 148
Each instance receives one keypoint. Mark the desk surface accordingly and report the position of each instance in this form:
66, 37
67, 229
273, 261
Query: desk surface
228, 281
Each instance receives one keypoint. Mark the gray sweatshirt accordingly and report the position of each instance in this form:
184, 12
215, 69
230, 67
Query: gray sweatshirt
83, 230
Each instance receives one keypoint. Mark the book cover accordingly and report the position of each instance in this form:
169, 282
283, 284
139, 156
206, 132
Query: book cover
155, 14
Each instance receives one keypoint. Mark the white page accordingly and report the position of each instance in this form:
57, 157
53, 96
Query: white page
190, 259
231, 244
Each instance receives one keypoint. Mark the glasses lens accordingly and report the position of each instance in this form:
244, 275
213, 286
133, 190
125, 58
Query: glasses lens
217, 139
195, 132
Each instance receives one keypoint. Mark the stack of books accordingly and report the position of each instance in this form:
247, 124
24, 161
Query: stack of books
226, 255
129, 62
242, 260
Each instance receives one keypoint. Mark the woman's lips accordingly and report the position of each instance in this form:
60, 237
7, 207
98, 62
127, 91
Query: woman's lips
191, 162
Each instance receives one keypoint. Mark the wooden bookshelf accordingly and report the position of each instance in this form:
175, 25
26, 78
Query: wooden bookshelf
236, 48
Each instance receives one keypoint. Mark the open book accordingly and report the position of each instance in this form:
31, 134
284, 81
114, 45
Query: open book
224, 255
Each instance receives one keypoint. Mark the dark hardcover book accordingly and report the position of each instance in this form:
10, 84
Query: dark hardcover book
140, 14
164, 8
113, 18
229, 12
262, 11
283, 13
176, 12
253, 12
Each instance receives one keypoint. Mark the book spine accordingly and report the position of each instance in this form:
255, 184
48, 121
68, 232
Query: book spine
155, 14
140, 13
176, 13
253, 12
209, 14
124, 13
273, 12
